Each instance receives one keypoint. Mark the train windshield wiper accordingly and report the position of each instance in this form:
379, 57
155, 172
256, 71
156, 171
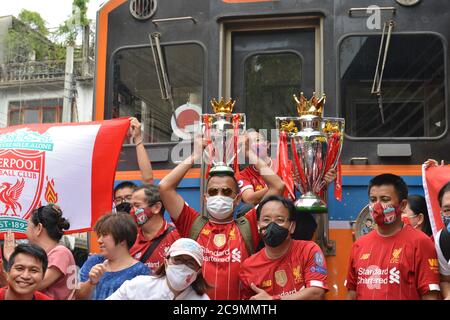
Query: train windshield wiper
384, 48
161, 72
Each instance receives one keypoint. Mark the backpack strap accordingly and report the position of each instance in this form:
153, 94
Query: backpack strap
244, 227
197, 227
155, 243
241, 222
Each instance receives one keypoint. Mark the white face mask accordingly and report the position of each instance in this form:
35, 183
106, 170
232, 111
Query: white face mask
220, 207
180, 276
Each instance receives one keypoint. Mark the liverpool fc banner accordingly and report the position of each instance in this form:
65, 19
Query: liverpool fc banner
434, 178
71, 164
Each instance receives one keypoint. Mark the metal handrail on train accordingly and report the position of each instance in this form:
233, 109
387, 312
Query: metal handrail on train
351, 10
156, 21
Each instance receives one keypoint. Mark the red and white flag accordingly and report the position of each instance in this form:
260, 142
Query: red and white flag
434, 178
71, 164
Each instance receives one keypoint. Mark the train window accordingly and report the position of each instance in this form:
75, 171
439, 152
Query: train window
271, 78
136, 90
412, 89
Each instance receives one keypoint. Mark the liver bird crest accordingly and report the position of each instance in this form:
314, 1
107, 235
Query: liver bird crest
9, 195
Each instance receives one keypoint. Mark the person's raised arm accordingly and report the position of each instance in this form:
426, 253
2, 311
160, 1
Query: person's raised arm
432, 163
253, 197
145, 166
173, 202
275, 186
52, 275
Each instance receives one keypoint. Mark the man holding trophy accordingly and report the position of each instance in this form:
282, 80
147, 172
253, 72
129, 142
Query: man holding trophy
224, 240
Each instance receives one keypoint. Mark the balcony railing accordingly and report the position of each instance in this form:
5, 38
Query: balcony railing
41, 70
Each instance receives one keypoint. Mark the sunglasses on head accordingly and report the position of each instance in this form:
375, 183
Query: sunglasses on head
228, 192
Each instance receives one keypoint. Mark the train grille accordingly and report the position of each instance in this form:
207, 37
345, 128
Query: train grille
142, 9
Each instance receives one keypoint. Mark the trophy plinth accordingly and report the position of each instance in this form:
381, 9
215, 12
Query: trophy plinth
221, 168
310, 203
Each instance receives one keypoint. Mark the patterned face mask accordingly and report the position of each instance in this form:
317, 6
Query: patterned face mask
446, 221
384, 214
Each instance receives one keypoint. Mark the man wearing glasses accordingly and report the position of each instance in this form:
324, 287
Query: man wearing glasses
285, 269
155, 234
222, 241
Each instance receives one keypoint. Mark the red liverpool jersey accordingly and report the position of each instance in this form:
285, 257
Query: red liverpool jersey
400, 267
156, 259
37, 295
249, 178
302, 266
224, 250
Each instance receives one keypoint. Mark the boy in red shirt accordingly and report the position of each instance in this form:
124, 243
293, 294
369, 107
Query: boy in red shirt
394, 262
27, 266
285, 269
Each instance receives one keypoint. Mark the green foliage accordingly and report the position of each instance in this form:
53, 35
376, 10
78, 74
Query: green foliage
73, 25
28, 36
31, 35
34, 21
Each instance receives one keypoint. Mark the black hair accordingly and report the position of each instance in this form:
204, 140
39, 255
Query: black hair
288, 204
418, 205
32, 250
393, 180
50, 216
125, 184
444, 190
224, 174
120, 226
152, 195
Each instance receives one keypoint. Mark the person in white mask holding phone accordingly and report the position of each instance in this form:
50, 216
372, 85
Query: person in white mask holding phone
226, 241
179, 278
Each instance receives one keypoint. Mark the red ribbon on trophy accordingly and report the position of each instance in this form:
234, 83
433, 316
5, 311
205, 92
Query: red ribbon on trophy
209, 146
299, 167
284, 166
236, 122
334, 147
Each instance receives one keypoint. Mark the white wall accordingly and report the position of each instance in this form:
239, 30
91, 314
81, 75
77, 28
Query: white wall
85, 100
29, 93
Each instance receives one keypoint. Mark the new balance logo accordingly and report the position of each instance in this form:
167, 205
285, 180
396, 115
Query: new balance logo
365, 256
236, 255
433, 263
394, 276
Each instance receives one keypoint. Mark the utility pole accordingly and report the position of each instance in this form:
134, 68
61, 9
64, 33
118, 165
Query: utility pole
68, 86
85, 46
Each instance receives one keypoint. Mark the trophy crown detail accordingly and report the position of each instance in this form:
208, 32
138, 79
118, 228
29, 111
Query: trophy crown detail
313, 107
221, 106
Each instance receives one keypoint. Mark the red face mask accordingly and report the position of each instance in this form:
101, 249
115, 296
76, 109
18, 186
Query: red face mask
405, 220
141, 215
384, 214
